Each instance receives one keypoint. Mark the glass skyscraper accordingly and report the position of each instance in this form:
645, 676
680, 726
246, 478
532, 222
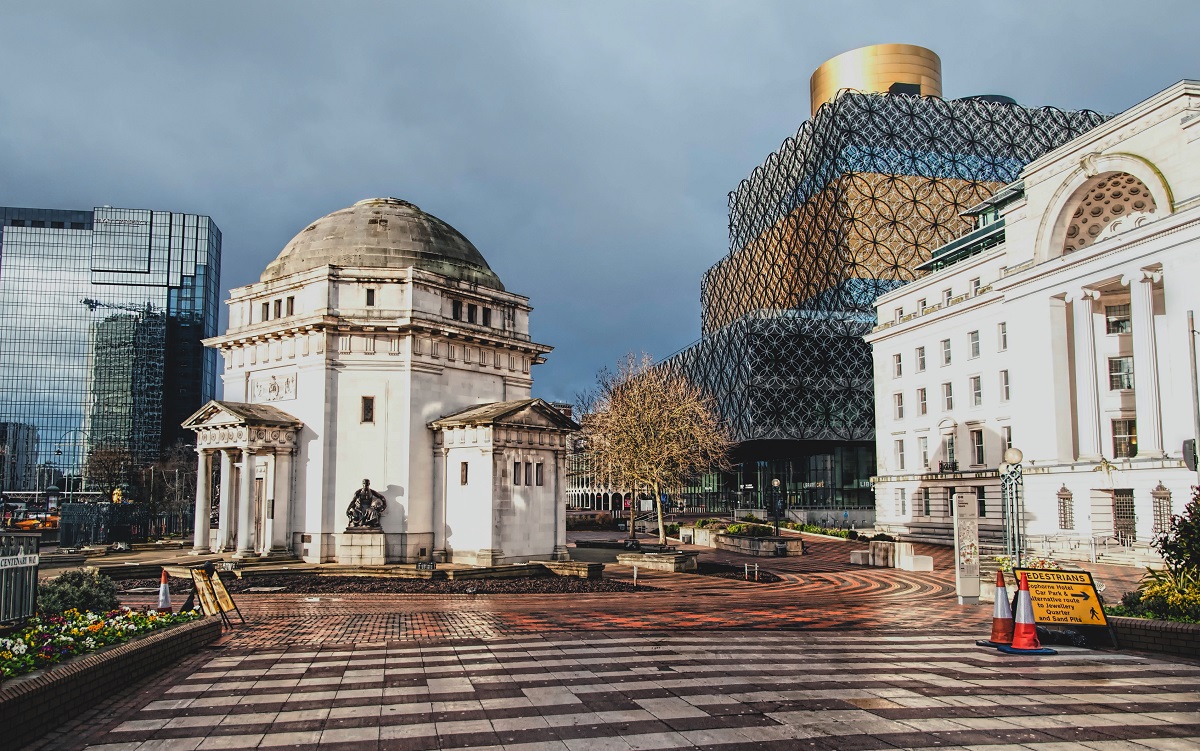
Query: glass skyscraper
102, 314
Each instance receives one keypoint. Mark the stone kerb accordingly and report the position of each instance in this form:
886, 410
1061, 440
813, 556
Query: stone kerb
34, 704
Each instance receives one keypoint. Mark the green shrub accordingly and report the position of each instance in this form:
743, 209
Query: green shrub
706, 522
750, 530
85, 590
1179, 545
751, 518
672, 530
1163, 595
851, 534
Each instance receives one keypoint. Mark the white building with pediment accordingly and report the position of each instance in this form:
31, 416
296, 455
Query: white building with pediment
1058, 326
365, 351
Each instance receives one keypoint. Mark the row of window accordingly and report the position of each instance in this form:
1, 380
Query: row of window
946, 350
281, 307
473, 313
923, 503
947, 296
533, 473
39, 223
949, 449
975, 390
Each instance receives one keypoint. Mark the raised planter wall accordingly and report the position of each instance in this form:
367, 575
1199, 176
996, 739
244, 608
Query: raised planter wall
1168, 637
674, 562
33, 705
758, 546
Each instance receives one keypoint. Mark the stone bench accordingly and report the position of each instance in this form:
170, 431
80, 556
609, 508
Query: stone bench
860, 558
915, 563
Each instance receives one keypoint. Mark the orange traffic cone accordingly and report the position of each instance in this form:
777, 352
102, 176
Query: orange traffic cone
164, 593
1025, 640
1002, 617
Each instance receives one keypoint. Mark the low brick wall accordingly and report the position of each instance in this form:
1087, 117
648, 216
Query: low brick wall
34, 704
1168, 637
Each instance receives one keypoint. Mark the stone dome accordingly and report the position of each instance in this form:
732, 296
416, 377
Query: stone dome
383, 233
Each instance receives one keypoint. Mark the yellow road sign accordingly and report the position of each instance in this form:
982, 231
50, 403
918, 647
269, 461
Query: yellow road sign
1067, 597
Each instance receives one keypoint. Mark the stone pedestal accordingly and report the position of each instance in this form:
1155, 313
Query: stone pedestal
362, 547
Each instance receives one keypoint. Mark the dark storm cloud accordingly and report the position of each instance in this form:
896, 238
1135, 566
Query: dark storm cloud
585, 148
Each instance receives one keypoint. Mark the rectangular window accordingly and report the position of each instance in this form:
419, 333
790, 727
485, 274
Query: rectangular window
516, 473
981, 500
472, 313
291, 306
973, 344
976, 391
1006, 436
950, 446
1004, 391
900, 454
947, 397
902, 497
922, 406
946, 295
1117, 319
921, 305
897, 315
945, 352
266, 311
898, 406
1002, 336
1120, 373
279, 308
368, 409
487, 316
456, 310
1124, 438
462, 473
528, 473
974, 284
539, 478
923, 450
920, 359
897, 366
925, 501
370, 298
977, 447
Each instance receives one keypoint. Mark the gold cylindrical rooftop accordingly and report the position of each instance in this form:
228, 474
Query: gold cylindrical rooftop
878, 68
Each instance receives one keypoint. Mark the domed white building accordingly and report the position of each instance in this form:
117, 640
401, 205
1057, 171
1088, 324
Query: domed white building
379, 345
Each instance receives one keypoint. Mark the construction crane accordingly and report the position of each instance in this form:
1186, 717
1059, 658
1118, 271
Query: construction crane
91, 304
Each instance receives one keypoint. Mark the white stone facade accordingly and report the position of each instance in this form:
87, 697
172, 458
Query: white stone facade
1068, 340
364, 359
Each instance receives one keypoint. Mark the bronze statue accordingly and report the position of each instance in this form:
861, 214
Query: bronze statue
366, 507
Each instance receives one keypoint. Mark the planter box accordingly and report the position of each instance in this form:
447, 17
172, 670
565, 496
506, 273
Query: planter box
674, 562
1168, 637
34, 704
883, 554
760, 546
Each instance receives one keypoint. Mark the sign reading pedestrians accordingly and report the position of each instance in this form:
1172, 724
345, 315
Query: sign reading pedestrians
1066, 597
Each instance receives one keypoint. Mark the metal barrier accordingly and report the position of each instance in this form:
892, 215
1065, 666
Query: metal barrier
18, 575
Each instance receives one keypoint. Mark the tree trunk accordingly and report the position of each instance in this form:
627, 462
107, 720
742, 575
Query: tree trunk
662, 530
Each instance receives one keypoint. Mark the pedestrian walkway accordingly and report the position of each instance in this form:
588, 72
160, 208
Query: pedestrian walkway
623, 690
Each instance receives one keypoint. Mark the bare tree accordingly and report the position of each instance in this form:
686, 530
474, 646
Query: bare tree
652, 430
108, 468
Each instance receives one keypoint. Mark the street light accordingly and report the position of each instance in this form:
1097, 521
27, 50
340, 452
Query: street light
1014, 511
777, 503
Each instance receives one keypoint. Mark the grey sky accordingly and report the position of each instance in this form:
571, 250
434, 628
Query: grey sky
585, 148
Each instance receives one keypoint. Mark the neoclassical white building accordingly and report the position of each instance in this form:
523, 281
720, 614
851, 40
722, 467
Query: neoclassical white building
1059, 326
379, 345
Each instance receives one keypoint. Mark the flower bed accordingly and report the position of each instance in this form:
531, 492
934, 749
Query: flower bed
47, 640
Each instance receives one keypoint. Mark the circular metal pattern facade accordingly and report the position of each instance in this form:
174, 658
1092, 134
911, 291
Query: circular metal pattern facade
843, 212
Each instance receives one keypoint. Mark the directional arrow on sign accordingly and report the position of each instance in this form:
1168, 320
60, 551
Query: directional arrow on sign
1081, 595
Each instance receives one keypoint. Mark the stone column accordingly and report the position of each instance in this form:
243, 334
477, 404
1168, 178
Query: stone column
281, 536
200, 541
560, 509
263, 546
1087, 404
1145, 366
245, 515
439, 552
225, 509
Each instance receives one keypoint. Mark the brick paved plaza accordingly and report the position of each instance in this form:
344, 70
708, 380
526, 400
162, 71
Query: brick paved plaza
833, 657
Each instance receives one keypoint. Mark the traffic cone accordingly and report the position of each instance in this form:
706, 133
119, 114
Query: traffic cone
164, 593
1002, 617
1025, 641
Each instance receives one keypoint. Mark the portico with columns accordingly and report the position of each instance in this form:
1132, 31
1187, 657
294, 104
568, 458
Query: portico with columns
250, 449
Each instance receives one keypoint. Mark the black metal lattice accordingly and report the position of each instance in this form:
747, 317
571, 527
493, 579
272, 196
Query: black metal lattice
843, 212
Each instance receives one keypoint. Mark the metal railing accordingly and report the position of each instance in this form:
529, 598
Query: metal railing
944, 467
18, 575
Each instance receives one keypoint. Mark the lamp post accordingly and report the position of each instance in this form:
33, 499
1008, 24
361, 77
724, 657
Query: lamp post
776, 502
1014, 510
